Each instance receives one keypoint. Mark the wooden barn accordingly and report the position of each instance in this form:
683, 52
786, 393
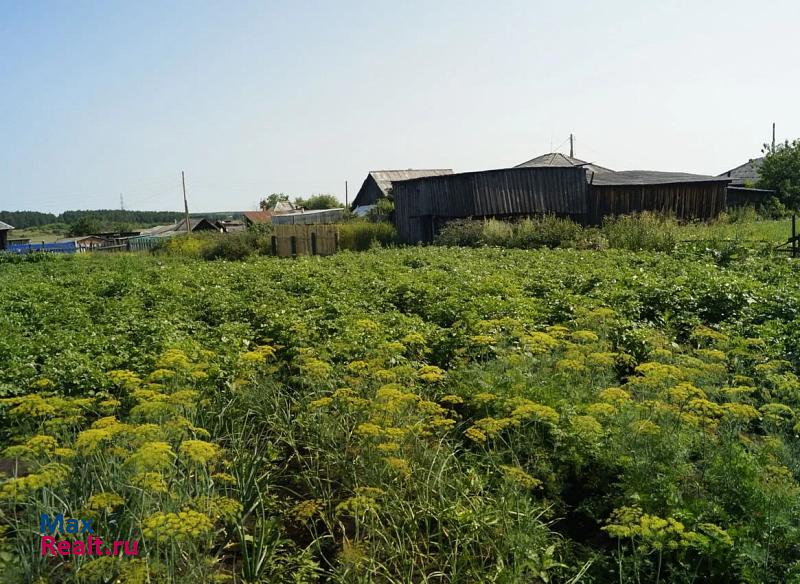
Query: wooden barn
424, 205
685, 196
378, 183
742, 191
5, 228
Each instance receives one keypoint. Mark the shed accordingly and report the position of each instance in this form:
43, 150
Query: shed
309, 217
4, 229
746, 174
378, 183
423, 205
196, 225
686, 196
85, 242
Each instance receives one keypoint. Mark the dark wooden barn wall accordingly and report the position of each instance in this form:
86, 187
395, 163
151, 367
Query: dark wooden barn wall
701, 200
424, 203
3, 239
742, 197
368, 194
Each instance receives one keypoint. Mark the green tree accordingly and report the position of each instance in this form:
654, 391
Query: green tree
86, 225
781, 172
320, 201
272, 200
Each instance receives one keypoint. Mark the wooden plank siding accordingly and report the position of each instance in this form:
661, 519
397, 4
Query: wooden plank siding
685, 201
424, 204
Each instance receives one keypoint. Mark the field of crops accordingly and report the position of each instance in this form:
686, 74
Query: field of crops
403, 415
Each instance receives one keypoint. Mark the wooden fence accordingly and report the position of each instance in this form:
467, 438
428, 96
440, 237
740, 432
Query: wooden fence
297, 240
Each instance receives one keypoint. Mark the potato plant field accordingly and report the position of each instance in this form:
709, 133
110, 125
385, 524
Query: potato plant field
412, 415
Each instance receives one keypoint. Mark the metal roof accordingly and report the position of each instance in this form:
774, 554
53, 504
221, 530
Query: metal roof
5, 226
562, 160
258, 216
747, 172
384, 178
649, 177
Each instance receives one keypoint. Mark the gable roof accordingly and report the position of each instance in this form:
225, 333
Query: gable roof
283, 207
650, 177
747, 172
258, 217
180, 227
384, 178
5, 226
562, 160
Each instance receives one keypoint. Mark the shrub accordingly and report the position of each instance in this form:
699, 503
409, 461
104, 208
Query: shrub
362, 235
643, 231
461, 233
548, 230
497, 233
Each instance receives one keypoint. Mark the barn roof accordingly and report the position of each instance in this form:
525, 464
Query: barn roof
745, 173
384, 178
562, 160
650, 177
5, 226
258, 217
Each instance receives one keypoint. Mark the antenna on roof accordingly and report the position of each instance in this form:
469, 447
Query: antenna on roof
571, 148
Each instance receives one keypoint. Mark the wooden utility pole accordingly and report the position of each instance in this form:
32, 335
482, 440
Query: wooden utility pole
346, 202
185, 203
571, 147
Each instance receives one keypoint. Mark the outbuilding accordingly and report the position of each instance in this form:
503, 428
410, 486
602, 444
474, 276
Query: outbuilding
378, 184
5, 228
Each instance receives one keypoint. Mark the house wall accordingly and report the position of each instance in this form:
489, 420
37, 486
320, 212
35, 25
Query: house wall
3, 239
422, 205
700, 200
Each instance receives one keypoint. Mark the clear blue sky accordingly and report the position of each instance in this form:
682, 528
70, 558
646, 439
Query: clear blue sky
102, 98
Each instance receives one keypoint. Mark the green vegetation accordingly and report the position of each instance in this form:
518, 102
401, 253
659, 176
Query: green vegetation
107, 218
404, 415
781, 172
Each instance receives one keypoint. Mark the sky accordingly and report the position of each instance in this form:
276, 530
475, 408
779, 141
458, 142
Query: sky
102, 99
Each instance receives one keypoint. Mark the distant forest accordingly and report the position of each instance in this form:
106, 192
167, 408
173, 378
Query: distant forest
26, 219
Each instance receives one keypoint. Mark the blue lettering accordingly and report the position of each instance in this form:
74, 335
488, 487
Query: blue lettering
47, 526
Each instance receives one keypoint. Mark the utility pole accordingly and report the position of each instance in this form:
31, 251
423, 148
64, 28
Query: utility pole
773, 136
571, 147
346, 201
185, 203
121, 202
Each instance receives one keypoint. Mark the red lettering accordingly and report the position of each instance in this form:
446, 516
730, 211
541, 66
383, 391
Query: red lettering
63, 547
48, 545
78, 548
97, 543
135, 545
117, 545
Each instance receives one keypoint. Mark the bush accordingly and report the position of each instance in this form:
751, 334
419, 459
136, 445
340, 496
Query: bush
461, 233
362, 235
643, 231
545, 231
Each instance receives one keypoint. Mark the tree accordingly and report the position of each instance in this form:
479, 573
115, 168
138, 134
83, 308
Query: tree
272, 200
781, 172
86, 225
320, 201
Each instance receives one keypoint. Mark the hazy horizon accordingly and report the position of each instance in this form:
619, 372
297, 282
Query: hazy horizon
254, 98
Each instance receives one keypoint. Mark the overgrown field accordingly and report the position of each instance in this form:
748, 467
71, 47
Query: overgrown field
430, 415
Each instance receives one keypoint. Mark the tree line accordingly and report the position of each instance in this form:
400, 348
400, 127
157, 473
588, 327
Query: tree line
27, 219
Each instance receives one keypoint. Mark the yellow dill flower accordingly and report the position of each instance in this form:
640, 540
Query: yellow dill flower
452, 400
89, 441
105, 502
49, 476
685, 391
173, 359
155, 411
368, 429
42, 444
584, 337
357, 367
388, 447
777, 413
65, 453
152, 456
187, 525
31, 406
413, 339
483, 398
199, 451
198, 375
161, 375
305, 510
740, 412
601, 410
615, 395
476, 435
400, 465
224, 478
586, 428
220, 508
123, 378
529, 410
570, 365
539, 343
19, 451
320, 403
482, 340
646, 428
712, 354
430, 374
97, 569
493, 426
151, 482
43, 384
518, 476
394, 433
184, 397
358, 505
